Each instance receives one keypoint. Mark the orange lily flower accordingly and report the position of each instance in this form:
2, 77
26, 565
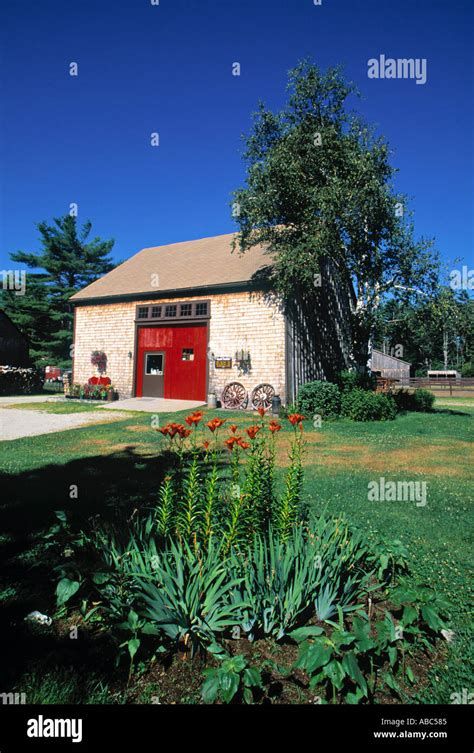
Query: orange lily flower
229, 443
215, 423
252, 431
295, 418
274, 426
194, 418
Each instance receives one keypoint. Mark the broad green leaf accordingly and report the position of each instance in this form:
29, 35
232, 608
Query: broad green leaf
65, 589
210, 687
100, 578
410, 614
354, 698
318, 655
390, 680
132, 620
133, 645
229, 682
392, 655
431, 618
252, 677
300, 634
352, 668
336, 673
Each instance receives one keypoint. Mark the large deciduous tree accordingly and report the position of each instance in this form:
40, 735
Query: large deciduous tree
319, 190
67, 262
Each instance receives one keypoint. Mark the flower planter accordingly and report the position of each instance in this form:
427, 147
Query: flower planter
111, 396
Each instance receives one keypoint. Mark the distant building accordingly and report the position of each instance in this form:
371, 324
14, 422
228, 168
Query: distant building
14, 345
390, 367
443, 374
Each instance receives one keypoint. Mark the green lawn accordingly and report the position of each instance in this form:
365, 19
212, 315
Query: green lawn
58, 406
115, 465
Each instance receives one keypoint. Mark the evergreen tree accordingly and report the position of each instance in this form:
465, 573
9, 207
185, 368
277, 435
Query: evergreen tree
67, 262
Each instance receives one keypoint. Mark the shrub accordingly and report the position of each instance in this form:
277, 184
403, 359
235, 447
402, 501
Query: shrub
419, 400
321, 398
349, 380
15, 380
360, 405
424, 400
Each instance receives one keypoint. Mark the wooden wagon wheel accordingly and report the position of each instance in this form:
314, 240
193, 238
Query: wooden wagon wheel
262, 396
234, 396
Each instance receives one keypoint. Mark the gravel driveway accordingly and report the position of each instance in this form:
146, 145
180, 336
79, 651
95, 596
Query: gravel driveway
15, 423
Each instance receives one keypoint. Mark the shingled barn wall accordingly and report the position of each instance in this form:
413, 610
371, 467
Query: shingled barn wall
251, 321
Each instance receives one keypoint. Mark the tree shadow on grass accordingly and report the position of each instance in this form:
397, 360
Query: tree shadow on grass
452, 412
109, 488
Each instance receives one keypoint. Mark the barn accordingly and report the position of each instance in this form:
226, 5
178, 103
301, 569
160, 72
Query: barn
190, 319
14, 346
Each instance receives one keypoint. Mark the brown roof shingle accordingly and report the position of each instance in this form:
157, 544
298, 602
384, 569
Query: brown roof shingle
207, 262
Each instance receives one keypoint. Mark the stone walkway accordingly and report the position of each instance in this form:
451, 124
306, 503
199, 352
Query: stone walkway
16, 423
154, 405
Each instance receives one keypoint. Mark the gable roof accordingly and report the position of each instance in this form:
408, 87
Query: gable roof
7, 324
199, 264
381, 357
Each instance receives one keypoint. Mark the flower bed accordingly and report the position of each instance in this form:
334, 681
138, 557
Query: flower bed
97, 388
226, 565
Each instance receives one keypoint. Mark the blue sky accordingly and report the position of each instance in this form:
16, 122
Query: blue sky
168, 69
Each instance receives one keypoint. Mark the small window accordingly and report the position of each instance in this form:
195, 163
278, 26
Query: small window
143, 312
201, 309
186, 309
155, 312
187, 354
170, 310
154, 364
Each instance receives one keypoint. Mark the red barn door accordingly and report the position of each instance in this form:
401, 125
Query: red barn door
184, 363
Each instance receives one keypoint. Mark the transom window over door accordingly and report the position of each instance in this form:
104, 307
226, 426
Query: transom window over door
189, 310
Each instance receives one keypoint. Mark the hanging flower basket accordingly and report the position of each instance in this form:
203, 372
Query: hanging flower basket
99, 359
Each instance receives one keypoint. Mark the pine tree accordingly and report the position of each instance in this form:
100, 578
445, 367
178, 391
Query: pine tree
66, 263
